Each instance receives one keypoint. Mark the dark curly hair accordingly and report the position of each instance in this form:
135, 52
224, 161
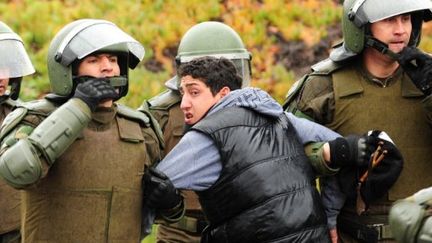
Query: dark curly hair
216, 73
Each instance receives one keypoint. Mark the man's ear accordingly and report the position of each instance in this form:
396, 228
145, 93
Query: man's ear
224, 91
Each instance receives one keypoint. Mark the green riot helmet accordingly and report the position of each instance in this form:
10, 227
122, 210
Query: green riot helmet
218, 40
83, 37
14, 61
358, 14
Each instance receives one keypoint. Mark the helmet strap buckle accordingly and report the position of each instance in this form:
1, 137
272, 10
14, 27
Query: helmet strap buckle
381, 47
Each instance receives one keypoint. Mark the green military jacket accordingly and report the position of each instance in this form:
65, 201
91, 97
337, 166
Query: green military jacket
93, 191
347, 99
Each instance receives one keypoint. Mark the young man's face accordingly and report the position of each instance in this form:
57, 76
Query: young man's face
197, 99
394, 31
99, 66
4, 82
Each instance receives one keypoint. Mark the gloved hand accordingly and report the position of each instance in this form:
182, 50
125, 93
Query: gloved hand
381, 177
350, 151
376, 179
418, 66
95, 90
159, 192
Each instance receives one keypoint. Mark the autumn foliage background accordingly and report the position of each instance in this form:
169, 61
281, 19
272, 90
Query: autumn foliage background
265, 27
284, 37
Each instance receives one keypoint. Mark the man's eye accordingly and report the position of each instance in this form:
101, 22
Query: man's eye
406, 17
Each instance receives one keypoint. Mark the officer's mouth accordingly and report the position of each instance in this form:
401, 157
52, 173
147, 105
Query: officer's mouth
397, 44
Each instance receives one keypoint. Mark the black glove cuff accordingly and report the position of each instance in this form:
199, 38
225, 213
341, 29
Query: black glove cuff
174, 214
339, 152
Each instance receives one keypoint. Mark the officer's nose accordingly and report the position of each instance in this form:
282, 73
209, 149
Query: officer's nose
107, 66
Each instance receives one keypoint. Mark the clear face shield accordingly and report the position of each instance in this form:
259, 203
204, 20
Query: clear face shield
241, 62
14, 61
244, 70
92, 36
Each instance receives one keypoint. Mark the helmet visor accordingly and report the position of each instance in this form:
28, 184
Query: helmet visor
243, 69
231, 56
375, 10
15, 61
94, 36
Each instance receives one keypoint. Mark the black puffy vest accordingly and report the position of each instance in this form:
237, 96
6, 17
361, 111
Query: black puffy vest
265, 192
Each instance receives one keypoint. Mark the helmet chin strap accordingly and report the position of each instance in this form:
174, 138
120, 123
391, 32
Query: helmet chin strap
114, 81
381, 47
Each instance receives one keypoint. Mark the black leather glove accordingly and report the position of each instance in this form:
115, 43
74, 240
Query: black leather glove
95, 90
349, 151
380, 177
418, 66
159, 192
383, 176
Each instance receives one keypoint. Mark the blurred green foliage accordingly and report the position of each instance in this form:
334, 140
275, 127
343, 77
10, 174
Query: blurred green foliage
159, 26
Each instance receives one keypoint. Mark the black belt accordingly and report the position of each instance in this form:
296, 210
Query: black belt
365, 228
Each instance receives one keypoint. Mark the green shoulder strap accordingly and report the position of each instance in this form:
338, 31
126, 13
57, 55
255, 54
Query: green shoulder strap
38, 107
164, 100
132, 114
12, 103
144, 117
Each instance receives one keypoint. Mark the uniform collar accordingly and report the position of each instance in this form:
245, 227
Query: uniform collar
383, 82
102, 117
357, 72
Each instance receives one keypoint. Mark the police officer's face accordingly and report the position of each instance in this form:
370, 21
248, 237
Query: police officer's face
3, 85
197, 99
99, 66
394, 31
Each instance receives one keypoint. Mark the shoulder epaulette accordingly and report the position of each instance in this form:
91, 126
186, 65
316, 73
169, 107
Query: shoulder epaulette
12, 103
41, 106
325, 67
144, 117
164, 100
132, 114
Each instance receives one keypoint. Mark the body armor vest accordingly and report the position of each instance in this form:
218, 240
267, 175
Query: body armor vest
265, 191
93, 192
9, 197
361, 105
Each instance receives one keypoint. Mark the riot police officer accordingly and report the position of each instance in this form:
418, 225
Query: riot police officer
14, 65
79, 155
362, 86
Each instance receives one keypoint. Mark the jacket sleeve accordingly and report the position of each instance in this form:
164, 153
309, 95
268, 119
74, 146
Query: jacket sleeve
316, 99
